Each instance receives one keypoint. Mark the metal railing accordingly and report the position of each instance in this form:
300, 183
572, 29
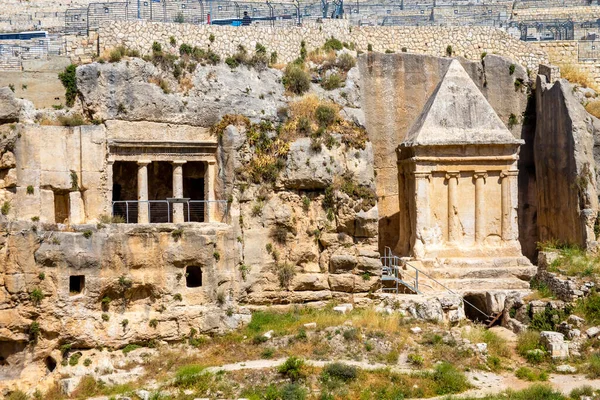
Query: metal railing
400, 272
161, 211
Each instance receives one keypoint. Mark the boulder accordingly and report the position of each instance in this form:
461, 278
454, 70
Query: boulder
554, 343
593, 332
9, 106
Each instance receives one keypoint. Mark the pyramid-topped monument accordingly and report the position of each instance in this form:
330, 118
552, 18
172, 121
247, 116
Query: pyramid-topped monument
457, 171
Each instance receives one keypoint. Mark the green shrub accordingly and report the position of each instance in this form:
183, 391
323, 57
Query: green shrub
511, 69
124, 323
416, 359
285, 274
156, 47
449, 380
74, 359
333, 81
153, 323
185, 49
5, 208
449, 51
345, 62
69, 81
216, 256
531, 375
177, 297
293, 391
295, 79
590, 307
292, 368
30, 189
333, 44
187, 376
87, 362
176, 234
267, 352
130, 347
115, 55
579, 392
528, 341
36, 296
340, 371
232, 62
325, 115
105, 317
17, 395
593, 367
71, 120
351, 334
34, 331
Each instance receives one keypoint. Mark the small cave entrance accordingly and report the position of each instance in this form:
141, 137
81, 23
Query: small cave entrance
476, 307
193, 276
76, 284
50, 363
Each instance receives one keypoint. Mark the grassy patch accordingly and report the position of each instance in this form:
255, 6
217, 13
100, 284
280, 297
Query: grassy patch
531, 375
573, 261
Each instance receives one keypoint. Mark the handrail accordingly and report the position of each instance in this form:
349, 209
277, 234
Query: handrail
389, 255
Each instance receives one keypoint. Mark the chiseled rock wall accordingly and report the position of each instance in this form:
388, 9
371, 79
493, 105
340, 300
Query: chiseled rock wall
565, 166
469, 42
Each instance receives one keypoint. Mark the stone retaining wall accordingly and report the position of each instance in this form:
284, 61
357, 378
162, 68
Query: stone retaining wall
567, 52
468, 42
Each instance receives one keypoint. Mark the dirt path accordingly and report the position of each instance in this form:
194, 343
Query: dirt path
485, 382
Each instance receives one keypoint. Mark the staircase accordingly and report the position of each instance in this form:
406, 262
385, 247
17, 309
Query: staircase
399, 276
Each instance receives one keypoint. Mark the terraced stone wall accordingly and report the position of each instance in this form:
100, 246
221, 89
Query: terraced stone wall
468, 42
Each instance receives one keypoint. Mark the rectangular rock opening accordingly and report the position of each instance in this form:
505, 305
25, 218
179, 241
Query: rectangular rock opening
193, 276
194, 189
61, 207
160, 187
76, 284
125, 188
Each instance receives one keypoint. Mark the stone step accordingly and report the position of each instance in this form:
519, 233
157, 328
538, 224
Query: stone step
524, 273
472, 285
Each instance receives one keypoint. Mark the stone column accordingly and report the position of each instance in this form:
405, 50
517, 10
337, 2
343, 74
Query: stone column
480, 177
421, 212
453, 221
143, 208
109, 187
509, 187
209, 190
178, 208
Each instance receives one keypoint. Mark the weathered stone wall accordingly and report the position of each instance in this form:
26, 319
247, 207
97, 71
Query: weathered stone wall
570, 52
565, 167
469, 42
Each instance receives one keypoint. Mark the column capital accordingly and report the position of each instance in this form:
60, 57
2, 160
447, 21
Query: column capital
480, 175
508, 173
178, 162
110, 161
452, 175
143, 163
422, 175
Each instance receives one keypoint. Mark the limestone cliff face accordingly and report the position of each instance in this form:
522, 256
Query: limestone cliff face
306, 233
565, 166
132, 91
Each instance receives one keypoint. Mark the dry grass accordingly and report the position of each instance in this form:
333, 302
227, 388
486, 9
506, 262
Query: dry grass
186, 84
320, 56
577, 76
593, 107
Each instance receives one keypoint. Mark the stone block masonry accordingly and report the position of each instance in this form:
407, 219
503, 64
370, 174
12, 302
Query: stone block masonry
468, 42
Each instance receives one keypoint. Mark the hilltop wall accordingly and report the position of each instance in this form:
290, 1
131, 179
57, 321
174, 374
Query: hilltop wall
468, 42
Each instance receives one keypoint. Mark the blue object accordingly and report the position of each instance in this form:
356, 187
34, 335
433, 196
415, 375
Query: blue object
236, 23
